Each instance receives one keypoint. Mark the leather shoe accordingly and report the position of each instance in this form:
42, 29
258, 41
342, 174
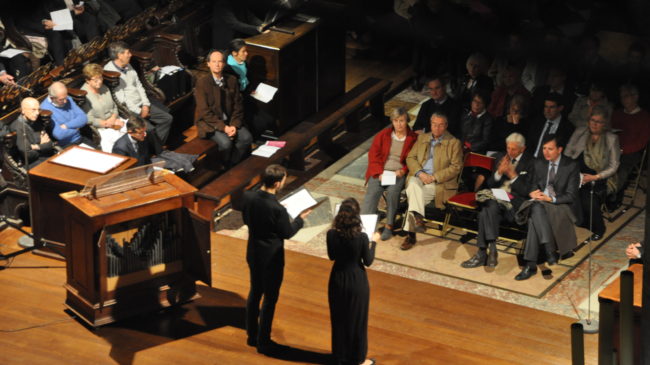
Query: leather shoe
251, 342
492, 257
526, 273
551, 256
479, 259
408, 243
596, 237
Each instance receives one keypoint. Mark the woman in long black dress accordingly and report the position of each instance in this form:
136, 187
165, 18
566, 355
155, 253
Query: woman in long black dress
349, 293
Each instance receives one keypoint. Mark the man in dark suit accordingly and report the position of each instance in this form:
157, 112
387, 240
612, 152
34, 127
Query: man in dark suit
268, 226
513, 171
556, 83
552, 123
31, 139
440, 103
137, 143
553, 208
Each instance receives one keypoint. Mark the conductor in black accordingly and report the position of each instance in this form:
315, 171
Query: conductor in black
269, 225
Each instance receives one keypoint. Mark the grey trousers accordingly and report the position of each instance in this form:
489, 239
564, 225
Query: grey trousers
374, 193
539, 232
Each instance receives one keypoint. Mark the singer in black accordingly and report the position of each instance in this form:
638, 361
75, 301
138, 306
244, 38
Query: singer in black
269, 225
31, 139
349, 292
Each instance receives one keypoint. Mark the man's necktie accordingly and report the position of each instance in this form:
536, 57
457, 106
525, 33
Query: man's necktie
545, 132
551, 181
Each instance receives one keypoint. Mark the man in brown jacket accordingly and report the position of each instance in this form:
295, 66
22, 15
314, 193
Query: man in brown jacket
434, 163
220, 112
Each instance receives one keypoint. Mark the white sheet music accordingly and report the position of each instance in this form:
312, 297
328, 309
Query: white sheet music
388, 178
90, 160
368, 224
11, 52
500, 194
62, 19
265, 151
298, 202
264, 92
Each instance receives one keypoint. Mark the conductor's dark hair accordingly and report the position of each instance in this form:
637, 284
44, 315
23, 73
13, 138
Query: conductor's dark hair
348, 222
236, 44
272, 174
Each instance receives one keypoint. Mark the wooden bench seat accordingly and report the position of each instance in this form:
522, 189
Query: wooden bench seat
227, 188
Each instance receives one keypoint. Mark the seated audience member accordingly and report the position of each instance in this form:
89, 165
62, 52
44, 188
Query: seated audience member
634, 71
476, 125
633, 125
512, 173
219, 110
589, 65
553, 208
514, 121
441, 103
255, 118
131, 92
552, 122
31, 138
67, 117
579, 115
233, 19
16, 67
388, 153
433, 164
598, 152
100, 108
137, 143
474, 80
503, 95
556, 83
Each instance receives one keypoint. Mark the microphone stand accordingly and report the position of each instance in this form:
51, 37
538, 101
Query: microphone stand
590, 325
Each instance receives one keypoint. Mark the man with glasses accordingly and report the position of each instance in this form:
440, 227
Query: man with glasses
68, 118
137, 143
441, 103
31, 139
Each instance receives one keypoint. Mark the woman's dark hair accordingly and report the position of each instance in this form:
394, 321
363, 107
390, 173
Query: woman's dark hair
235, 45
347, 222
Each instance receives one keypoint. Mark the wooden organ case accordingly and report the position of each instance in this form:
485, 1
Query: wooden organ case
134, 245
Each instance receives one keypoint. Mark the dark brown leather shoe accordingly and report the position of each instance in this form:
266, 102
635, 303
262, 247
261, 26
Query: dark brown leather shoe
492, 257
479, 259
409, 242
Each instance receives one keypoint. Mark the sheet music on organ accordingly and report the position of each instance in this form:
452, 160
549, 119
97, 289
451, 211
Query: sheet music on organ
87, 159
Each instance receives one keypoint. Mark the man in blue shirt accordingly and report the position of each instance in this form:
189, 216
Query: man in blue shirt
67, 117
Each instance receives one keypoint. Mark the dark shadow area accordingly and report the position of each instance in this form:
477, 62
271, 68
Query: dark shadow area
214, 309
289, 353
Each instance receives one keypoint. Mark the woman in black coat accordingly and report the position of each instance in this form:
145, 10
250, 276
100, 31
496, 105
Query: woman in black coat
349, 293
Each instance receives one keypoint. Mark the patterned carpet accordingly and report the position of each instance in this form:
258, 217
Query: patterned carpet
560, 289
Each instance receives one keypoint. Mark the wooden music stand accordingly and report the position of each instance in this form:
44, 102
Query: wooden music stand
47, 181
133, 245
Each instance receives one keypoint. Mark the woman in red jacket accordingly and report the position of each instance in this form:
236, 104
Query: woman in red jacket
388, 153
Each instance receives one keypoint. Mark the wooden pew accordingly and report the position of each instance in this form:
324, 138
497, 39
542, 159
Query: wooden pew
225, 190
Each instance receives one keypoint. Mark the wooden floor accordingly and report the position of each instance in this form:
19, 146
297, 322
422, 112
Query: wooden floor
410, 322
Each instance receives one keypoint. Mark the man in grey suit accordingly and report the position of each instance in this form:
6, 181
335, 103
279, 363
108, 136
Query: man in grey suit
553, 209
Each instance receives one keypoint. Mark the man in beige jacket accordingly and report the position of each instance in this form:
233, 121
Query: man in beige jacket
434, 163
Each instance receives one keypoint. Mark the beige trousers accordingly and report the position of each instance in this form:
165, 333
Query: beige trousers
418, 195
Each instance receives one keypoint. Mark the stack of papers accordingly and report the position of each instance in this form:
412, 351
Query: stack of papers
62, 19
269, 148
388, 177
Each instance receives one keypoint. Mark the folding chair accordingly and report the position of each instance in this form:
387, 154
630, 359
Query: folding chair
462, 206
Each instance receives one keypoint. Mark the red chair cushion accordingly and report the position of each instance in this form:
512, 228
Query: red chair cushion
465, 200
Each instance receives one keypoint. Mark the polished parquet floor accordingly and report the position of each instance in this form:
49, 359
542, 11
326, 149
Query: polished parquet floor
410, 322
